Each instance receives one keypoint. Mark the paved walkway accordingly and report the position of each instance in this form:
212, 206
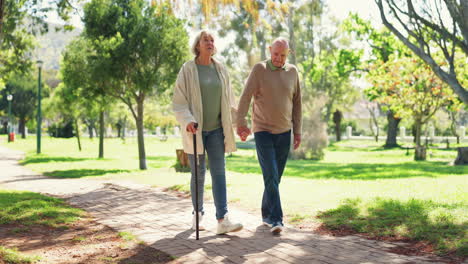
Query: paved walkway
163, 221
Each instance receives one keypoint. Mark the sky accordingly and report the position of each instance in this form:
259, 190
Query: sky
366, 9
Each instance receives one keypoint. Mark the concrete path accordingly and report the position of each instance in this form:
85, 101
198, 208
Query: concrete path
163, 220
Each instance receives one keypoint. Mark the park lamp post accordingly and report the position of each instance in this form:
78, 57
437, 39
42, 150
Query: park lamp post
9, 99
39, 114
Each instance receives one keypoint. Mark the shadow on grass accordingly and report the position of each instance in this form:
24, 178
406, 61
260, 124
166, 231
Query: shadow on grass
29, 208
418, 220
41, 159
351, 171
79, 173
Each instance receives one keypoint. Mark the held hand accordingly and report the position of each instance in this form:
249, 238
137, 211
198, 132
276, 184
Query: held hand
192, 127
243, 132
297, 140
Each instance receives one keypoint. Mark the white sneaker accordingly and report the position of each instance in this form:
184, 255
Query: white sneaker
194, 222
277, 228
226, 226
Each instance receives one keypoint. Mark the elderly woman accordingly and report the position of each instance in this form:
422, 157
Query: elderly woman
203, 95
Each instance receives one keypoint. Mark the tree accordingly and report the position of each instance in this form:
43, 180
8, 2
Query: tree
330, 76
20, 21
24, 91
12, 14
82, 96
427, 27
383, 44
411, 89
139, 50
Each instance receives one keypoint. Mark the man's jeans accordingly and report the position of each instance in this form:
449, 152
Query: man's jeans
214, 146
272, 153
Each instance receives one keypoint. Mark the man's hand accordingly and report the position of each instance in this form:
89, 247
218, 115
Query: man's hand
297, 140
192, 127
243, 132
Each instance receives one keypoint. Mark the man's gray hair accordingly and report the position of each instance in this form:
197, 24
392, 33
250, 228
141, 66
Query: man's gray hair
280, 41
195, 51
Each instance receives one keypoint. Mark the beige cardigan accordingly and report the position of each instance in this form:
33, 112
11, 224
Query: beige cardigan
187, 106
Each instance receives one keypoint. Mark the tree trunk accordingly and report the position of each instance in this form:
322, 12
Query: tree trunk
101, 134
373, 122
392, 130
141, 140
417, 136
420, 151
124, 125
119, 127
453, 126
91, 127
21, 127
462, 157
337, 116
77, 131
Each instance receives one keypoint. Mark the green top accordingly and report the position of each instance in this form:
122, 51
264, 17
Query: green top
273, 67
210, 87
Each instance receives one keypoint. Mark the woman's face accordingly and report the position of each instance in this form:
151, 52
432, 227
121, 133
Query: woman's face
206, 45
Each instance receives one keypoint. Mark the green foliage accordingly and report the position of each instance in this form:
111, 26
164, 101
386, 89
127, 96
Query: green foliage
158, 115
382, 42
20, 21
329, 75
424, 28
139, 49
24, 91
76, 98
410, 89
61, 130
145, 47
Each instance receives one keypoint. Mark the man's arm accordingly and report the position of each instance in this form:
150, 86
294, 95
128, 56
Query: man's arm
297, 114
244, 102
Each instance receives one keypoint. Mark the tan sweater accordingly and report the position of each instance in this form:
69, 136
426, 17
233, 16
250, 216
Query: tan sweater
277, 99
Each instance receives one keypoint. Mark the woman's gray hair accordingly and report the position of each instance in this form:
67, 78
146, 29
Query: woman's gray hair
197, 40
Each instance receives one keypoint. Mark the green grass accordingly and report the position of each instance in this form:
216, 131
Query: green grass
27, 208
415, 219
127, 236
79, 239
351, 170
12, 256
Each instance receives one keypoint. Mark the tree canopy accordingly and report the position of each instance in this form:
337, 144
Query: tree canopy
427, 27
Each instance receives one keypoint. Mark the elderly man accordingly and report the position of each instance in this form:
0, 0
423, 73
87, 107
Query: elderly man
274, 84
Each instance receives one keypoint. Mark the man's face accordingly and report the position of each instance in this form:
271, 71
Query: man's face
279, 54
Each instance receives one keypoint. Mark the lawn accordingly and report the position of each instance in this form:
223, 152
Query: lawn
357, 180
25, 210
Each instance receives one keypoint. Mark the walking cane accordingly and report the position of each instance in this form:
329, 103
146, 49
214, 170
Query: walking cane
196, 178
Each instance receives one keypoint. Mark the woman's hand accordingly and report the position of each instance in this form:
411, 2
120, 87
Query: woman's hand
192, 127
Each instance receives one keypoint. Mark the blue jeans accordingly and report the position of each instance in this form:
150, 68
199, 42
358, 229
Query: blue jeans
214, 147
272, 153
